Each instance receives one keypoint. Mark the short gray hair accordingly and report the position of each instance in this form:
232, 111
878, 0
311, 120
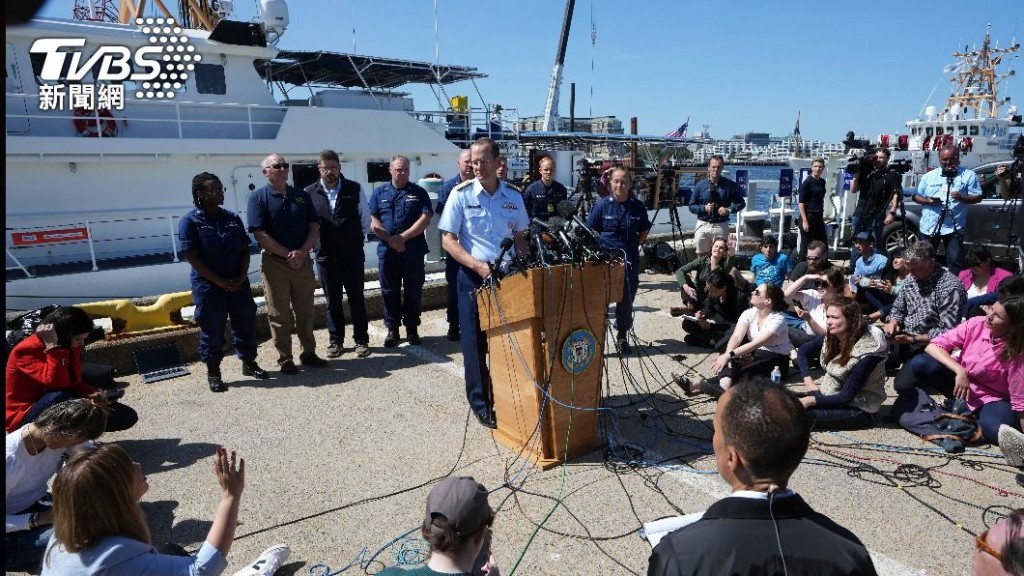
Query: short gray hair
919, 251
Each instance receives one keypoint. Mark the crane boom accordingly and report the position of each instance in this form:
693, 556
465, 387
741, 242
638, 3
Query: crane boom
551, 106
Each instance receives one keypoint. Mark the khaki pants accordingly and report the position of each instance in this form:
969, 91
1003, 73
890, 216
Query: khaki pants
705, 233
286, 290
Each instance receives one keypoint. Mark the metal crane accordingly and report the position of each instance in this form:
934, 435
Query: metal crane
550, 123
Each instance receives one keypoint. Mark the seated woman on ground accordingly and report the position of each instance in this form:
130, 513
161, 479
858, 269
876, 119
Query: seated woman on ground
34, 454
719, 313
46, 369
99, 527
692, 290
853, 355
811, 302
768, 344
981, 278
895, 276
989, 375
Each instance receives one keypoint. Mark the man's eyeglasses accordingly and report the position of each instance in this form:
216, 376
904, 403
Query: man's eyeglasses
813, 258
278, 166
982, 544
330, 168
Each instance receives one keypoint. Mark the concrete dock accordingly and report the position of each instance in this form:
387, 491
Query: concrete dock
340, 460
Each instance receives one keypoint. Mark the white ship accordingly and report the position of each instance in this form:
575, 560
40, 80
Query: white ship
94, 196
971, 118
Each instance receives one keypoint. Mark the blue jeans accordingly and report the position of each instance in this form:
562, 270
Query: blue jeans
25, 548
337, 278
119, 418
973, 305
953, 244
839, 418
474, 344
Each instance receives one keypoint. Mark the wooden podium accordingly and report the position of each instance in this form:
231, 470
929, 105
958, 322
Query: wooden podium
546, 331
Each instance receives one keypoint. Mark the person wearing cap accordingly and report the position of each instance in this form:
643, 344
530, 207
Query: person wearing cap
457, 526
867, 272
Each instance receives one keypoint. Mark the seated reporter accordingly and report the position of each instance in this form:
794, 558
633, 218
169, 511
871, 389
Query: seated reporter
35, 452
457, 526
691, 290
767, 344
813, 301
981, 278
853, 356
716, 319
989, 375
99, 527
46, 369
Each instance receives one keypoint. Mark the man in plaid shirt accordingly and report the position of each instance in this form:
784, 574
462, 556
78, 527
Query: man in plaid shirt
927, 306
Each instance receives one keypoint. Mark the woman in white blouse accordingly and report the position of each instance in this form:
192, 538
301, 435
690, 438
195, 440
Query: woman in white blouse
767, 344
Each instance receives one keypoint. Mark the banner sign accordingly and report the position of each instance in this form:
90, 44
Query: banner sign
50, 236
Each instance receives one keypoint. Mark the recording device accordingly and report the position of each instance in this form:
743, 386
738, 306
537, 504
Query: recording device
862, 158
798, 304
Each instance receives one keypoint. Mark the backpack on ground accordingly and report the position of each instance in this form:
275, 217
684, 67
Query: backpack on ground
950, 424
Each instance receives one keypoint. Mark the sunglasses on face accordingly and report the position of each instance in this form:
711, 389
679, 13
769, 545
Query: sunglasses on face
982, 544
278, 166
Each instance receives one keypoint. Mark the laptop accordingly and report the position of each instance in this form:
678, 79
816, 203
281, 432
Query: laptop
160, 363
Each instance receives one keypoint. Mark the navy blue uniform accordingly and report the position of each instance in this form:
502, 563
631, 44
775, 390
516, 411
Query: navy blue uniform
451, 265
620, 226
219, 241
542, 201
397, 211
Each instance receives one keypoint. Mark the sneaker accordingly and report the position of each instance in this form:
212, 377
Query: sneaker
251, 368
454, 334
288, 367
391, 340
1011, 442
413, 335
335, 350
268, 562
362, 350
311, 359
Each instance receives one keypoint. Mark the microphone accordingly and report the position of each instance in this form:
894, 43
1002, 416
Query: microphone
506, 243
566, 209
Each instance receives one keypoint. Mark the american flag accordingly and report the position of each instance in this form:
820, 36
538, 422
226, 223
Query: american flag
679, 132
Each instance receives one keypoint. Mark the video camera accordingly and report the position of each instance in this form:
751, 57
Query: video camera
1018, 148
862, 160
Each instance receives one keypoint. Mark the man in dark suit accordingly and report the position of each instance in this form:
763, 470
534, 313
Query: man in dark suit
761, 435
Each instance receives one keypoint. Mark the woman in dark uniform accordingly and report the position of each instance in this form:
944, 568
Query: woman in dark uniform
215, 243
621, 221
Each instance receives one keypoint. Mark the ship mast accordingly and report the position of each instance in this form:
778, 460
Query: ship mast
199, 14
975, 81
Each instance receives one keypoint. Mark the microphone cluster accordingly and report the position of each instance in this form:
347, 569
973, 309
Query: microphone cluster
563, 239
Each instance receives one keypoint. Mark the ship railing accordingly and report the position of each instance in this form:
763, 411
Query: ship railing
148, 119
464, 127
91, 240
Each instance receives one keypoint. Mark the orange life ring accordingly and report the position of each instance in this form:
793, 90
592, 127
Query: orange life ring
966, 144
90, 123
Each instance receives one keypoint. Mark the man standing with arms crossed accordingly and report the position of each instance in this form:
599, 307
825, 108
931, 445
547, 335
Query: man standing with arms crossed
399, 213
344, 223
714, 199
286, 225
478, 216
451, 265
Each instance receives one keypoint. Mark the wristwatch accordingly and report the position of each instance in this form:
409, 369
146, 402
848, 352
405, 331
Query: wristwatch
732, 353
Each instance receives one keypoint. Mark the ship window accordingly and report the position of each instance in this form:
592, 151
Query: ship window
974, 130
949, 130
963, 130
210, 79
928, 131
37, 60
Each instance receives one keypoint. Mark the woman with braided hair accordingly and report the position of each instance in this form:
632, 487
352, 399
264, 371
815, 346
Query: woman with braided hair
214, 241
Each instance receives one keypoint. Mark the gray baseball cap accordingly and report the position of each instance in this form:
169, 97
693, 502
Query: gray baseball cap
462, 501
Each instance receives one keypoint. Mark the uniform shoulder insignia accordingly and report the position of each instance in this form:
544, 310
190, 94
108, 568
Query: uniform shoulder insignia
461, 185
514, 186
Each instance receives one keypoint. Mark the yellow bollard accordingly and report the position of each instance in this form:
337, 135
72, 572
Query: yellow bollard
128, 317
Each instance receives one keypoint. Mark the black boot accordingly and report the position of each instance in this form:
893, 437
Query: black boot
213, 378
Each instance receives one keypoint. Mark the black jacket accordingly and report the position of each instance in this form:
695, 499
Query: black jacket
341, 231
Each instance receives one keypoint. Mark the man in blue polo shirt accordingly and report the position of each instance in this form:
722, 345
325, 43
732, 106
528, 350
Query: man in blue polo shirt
451, 265
479, 215
399, 213
945, 193
287, 227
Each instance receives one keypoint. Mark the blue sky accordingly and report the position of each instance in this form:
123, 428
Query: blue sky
739, 66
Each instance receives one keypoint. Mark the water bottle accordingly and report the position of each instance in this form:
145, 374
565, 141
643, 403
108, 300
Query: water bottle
776, 376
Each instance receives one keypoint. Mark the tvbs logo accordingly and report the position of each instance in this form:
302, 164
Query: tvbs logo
157, 71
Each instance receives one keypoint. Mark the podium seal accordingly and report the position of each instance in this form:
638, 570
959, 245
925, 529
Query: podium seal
578, 351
